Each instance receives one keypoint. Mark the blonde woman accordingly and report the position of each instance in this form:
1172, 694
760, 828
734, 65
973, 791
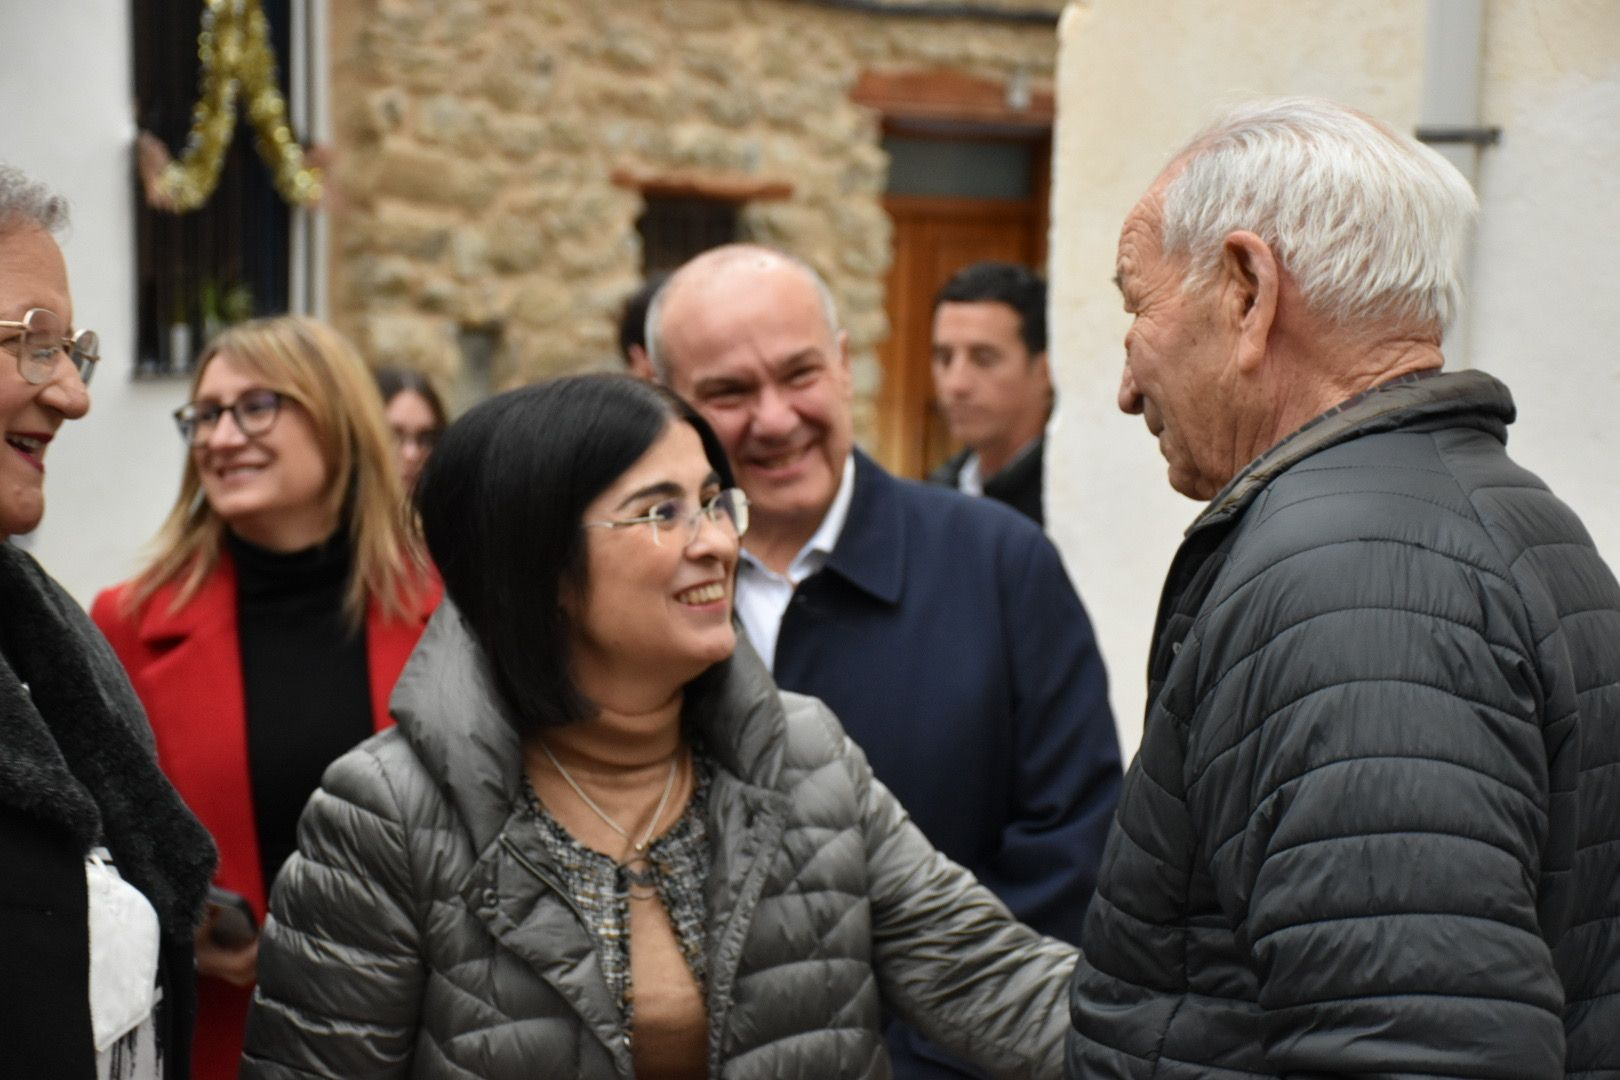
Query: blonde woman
279, 607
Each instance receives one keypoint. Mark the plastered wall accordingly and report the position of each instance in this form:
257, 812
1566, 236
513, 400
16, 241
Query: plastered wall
67, 121
1137, 77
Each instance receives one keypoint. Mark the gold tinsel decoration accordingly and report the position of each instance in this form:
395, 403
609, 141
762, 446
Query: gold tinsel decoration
234, 48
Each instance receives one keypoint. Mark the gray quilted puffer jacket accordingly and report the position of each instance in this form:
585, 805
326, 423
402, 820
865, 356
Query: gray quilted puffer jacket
1374, 826
419, 931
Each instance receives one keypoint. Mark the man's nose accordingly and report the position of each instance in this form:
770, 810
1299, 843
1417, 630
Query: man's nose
773, 414
951, 377
1130, 397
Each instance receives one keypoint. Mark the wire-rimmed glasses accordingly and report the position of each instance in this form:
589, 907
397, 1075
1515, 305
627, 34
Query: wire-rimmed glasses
728, 509
255, 414
43, 339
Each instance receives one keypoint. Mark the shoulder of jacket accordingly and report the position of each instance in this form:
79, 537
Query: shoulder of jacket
1385, 485
383, 776
813, 734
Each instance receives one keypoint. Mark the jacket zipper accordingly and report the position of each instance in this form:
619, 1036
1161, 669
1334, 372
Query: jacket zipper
545, 879
562, 894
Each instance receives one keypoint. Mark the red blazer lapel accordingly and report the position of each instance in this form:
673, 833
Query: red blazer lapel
187, 668
186, 665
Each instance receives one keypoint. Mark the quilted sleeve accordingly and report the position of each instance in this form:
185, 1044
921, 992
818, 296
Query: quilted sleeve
1368, 779
340, 978
949, 957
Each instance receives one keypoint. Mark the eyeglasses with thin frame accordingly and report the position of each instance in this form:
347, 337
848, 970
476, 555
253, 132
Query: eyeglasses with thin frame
728, 509
255, 414
44, 338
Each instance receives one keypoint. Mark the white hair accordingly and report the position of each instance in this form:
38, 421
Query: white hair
24, 201
715, 259
1371, 225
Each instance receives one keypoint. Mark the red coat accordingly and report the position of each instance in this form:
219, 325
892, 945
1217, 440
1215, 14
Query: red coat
186, 665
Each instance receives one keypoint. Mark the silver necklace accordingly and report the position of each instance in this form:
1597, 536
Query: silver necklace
642, 878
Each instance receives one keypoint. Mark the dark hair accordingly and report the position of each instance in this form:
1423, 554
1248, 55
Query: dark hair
633, 321
394, 381
1003, 283
501, 502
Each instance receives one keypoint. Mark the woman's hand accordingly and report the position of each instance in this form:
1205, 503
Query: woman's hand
238, 966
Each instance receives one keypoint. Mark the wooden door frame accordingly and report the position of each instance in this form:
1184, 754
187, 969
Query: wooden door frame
960, 107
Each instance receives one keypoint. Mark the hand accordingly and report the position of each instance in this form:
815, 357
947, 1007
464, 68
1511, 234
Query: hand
239, 967
151, 158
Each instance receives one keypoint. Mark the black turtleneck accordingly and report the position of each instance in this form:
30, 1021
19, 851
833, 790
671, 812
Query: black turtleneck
304, 676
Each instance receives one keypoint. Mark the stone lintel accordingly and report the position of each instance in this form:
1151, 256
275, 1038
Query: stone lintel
910, 97
726, 186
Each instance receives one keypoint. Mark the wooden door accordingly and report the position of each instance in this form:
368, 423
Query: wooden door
934, 237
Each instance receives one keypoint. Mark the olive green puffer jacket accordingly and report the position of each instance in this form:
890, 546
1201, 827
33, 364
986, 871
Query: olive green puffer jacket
419, 933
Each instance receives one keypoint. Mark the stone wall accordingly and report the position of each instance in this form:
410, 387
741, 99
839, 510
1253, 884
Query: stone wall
477, 140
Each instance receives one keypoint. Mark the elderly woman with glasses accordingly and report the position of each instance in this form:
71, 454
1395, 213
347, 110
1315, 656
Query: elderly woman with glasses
266, 633
600, 842
102, 867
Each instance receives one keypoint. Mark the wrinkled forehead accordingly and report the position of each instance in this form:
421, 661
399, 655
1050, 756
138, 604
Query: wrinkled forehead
1141, 236
33, 273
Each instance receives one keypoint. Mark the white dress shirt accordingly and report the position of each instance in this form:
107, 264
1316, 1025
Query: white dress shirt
969, 481
763, 594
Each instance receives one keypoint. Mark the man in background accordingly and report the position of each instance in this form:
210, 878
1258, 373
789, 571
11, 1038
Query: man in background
941, 629
633, 327
992, 382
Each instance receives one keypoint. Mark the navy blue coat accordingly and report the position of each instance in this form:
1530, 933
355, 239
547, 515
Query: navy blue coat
945, 635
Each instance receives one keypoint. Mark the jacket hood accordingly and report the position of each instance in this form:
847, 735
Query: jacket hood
448, 710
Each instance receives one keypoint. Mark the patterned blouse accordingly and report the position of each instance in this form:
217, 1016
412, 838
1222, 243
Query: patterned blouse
601, 888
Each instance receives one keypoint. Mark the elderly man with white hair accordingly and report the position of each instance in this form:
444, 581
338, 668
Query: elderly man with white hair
1374, 825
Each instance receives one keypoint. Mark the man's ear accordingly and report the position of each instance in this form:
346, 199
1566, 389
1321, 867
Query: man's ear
846, 366
1251, 282
1041, 361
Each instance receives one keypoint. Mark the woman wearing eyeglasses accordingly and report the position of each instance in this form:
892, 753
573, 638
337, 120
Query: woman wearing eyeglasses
415, 415
102, 867
599, 844
270, 625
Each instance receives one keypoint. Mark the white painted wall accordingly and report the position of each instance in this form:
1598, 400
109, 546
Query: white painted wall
66, 119
1137, 77
1545, 307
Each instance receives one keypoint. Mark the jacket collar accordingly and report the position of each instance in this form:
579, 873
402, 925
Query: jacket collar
871, 550
448, 711
447, 708
1422, 401
213, 607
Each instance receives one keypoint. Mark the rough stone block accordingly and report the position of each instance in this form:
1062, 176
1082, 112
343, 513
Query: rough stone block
447, 120
630, 53
417, 175
516, 246
382, 276
380, 112
542, 301
520, 78
699, 14
407, 338
517, 136
469, 253
404, 230
439, 296
733, 107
